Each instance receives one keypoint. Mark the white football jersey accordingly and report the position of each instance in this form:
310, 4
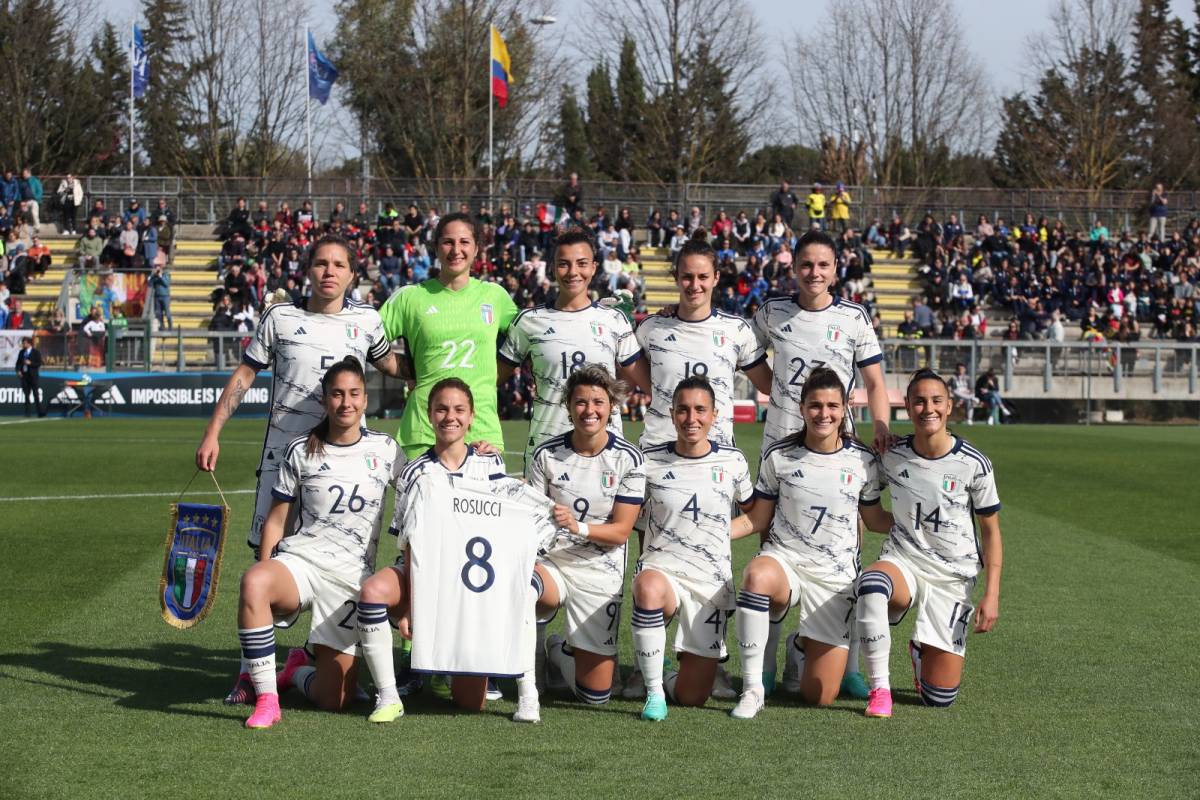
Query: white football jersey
816, 497
715, 347
933, 500
473, 545
591, 485
558, 343
298, 347
838, 336
476, 466
689, 505
339, 501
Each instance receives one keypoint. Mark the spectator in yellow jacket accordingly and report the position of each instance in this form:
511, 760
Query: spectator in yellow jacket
815, 203
839, 208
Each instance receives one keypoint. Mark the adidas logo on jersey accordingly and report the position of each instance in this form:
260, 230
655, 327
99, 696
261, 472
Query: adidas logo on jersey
787, 328
549, 331
715, 646
431, 310
564, 477
610, 641
301, 332
324, 467
903, 473
670, 337
798, 474
670, 476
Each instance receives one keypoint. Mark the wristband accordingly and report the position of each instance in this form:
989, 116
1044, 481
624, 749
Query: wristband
583, 529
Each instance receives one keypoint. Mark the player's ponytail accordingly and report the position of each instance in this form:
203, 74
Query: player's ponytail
320, 432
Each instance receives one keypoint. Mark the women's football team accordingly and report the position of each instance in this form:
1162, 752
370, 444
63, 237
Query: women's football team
817, 484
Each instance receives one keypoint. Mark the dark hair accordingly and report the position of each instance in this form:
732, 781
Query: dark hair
329, 240
694, 382
449, 383
599, 376
316, 437
822, 378
925, 374
457, 216
569, 237
814, 237
696, 247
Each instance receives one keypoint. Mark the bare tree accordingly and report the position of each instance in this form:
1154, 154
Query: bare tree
896, 77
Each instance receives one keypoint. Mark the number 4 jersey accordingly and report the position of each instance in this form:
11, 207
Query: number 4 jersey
473, 545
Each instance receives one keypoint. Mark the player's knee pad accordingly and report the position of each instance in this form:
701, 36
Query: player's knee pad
591, 696
937, 696
875, 581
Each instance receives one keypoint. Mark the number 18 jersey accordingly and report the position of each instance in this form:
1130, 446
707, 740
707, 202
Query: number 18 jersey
473, 545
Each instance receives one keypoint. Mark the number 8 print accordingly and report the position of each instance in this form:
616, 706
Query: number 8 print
480, 561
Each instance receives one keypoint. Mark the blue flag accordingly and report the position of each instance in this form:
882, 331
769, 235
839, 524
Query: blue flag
141, 64
321, 73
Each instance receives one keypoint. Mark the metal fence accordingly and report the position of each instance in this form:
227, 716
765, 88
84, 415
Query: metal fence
207, 201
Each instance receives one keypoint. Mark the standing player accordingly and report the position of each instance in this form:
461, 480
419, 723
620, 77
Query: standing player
451, 326
696, 340
940, 485
298, 342
451, 411
813, 329
685, 570
335, 478
597, 482
812, 487
560, 339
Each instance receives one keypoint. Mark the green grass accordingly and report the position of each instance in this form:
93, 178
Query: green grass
1084, 689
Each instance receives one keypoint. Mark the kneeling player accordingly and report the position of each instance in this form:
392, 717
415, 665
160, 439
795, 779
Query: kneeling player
932, 557
812, 487
597, 482
337, 477
685, 569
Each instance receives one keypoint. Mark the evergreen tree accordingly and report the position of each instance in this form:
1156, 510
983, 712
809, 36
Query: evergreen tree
572, 131
161, 111
631, 104
106, 128
603, 123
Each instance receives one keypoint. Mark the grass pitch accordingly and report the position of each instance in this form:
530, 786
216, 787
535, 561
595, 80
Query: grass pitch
1084, 689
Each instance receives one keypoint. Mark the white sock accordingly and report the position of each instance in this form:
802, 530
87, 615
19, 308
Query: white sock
527, 683
375, 638
852, 656
875, 588
649, 642
565, 662
302, 679
753, 628
244, 666
258, 657
771, 653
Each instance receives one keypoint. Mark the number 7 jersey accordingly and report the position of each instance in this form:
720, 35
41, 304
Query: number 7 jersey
473, 545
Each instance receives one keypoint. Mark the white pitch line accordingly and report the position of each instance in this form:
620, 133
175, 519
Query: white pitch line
113, 496
28, 419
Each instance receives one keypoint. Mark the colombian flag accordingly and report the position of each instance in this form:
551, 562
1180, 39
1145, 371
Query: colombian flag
501, 68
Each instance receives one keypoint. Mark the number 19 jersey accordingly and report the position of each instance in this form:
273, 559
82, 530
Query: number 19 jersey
450, 334
473, 545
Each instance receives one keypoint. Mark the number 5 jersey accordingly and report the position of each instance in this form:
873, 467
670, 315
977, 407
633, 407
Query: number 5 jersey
473, 545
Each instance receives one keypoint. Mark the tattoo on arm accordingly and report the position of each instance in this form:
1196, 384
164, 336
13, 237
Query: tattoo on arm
233, 399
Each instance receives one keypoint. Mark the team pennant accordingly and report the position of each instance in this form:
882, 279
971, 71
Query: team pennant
192, 565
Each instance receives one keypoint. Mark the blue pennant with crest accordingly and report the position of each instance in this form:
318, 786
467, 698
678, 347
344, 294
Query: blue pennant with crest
192, 566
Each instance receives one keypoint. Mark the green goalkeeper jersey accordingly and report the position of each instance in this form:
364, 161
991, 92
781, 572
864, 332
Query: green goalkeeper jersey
450, 334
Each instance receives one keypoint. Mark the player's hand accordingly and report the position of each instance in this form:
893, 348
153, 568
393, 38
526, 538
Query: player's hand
986, 614
884, 438
668, 310
405, 626
207, 452
565, 518
486, 448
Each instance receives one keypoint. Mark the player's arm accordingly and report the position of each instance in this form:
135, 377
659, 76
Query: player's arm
756, 519
993, 556
875, 517
272, 533
877, 401
504, 370
231, 397
639, 372
393, 366
614, 532
760, 376
404, 619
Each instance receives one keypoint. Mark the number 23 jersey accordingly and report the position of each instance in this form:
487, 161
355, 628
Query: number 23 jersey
933, 500
689, 505
339, 496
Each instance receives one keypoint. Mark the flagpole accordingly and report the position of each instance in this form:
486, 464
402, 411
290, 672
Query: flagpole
491, 121
132, 112
307, 117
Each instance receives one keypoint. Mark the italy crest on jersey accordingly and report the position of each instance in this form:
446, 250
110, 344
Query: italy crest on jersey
486, 313
833, 333
187, 589
719, 339
608, 479
352, 331
718, 474
372, 463
949, 483
597, 329
847, 477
